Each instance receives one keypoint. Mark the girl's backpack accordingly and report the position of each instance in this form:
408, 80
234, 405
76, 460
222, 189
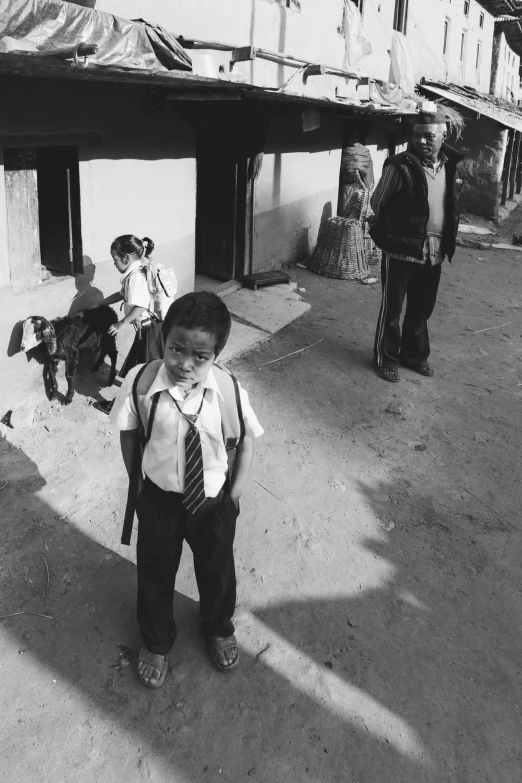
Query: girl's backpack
162, 285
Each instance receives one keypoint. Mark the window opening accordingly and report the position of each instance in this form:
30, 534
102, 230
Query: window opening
463, 42
481, 21
59, 209
466, 7
400, 18
479, 56
446, 37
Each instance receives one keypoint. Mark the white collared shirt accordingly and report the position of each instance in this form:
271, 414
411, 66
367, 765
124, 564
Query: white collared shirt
134, 289
164, 455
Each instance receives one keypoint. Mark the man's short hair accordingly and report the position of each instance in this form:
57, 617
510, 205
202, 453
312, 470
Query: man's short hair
200, 310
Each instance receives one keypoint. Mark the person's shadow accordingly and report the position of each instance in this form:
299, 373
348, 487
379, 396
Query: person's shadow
87, 295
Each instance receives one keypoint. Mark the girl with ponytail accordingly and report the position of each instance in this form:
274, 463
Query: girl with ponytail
130, 255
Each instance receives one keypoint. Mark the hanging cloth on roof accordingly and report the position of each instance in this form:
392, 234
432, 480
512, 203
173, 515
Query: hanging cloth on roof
53, 24
357, 43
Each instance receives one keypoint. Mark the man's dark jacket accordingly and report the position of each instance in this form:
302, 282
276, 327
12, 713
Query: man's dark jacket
401, 225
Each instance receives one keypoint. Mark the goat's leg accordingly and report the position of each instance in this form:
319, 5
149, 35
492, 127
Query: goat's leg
112, 352
70, 367
103, 352
107, 348
50, 370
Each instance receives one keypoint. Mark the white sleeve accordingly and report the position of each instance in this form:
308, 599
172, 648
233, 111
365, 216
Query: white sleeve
138, 290
123, 415
253, 429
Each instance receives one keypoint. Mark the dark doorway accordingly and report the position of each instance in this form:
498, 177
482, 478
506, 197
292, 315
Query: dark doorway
229, 136
59, 209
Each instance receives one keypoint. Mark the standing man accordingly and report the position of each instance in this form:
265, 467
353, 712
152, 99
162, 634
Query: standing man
415, 225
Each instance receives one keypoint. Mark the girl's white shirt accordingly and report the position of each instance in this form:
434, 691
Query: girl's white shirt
134, 289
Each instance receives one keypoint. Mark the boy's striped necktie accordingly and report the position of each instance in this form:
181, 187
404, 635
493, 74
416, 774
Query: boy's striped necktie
194, 494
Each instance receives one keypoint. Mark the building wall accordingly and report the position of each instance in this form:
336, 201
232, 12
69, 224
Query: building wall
425, 35
308, 30
505, 79
137, 175
297, 188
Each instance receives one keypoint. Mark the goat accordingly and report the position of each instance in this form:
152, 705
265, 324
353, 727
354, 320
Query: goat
64, 338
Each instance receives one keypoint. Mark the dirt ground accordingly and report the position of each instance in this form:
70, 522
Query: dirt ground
378, 558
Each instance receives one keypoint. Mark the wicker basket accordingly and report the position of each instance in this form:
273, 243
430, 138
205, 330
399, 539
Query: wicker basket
340, 250
357, 207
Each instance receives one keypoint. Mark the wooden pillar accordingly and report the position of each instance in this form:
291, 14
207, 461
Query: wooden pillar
518, 174
22, 218
507, 167
515, 164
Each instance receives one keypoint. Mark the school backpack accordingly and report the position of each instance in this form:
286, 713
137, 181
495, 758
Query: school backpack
162, 285
232, 427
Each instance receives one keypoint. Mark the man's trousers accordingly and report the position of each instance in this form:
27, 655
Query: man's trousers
419, 283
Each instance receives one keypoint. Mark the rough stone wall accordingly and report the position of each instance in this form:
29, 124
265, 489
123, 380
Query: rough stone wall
483, 143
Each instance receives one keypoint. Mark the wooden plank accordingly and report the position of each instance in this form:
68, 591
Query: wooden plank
278, 57
515, 164
315, 70
20, 66
64, 53
202, 95
507, 168
22, 218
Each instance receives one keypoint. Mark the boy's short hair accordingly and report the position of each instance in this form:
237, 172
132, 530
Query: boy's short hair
200, 310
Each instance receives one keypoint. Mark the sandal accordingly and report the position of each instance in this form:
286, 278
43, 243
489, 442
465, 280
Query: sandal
389, 374
423, 368
220, 644
159, 662
105, 406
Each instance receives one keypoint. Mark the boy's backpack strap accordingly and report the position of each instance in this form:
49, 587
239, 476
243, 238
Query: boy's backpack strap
232, 420
140, 387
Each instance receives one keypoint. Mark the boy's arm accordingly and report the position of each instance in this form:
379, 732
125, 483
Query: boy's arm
245, 454
129, 443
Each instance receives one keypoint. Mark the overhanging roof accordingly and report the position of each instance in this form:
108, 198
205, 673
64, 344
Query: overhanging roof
501, 7
180, 85
512, 29
478, 103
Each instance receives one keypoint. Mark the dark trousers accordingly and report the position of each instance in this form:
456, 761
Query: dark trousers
148, 345
419, 283
163, 524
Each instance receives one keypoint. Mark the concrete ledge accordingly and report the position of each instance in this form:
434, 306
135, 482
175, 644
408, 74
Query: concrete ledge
242, 338
269, 309
510, 205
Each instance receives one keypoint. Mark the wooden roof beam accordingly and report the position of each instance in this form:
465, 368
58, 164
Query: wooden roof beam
241, 54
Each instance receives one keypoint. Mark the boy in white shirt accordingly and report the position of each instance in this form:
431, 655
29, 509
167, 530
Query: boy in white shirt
187, 492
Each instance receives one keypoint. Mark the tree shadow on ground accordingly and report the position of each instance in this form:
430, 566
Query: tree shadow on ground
293, 712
